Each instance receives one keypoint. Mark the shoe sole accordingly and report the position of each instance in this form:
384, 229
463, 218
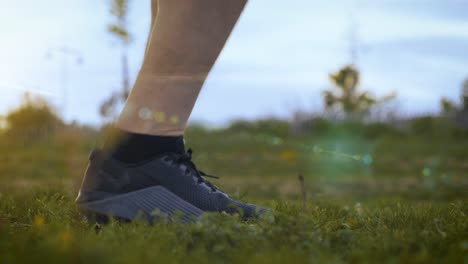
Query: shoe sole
150, 203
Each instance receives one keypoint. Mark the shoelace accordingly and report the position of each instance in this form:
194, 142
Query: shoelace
186, 159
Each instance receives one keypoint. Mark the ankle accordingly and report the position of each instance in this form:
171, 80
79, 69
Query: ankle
131, 147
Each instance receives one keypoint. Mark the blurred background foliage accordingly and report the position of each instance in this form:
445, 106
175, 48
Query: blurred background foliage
32, 120
119, 29
344, 153
345, 93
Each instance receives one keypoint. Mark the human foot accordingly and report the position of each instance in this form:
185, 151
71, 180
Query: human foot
167, 183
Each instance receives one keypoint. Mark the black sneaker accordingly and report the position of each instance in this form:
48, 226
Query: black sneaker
167, 184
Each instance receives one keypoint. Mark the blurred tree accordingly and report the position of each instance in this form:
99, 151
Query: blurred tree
119, 29
34, 118
465, 95
346, 95
2, 122
462, 114
448, 106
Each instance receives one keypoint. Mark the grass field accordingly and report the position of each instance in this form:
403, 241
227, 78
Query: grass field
382, 199
45, 226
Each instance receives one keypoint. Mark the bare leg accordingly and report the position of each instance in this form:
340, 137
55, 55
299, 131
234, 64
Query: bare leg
186, 39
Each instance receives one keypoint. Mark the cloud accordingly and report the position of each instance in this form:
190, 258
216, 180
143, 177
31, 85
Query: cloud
431, 9
452, 48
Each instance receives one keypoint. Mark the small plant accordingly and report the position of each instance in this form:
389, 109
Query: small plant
345, 94
119, 29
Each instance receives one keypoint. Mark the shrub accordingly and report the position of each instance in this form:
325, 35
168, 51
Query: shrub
271, 126
376, 130
33, 119
422, 125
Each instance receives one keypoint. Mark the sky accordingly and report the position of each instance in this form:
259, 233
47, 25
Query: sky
276, 61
